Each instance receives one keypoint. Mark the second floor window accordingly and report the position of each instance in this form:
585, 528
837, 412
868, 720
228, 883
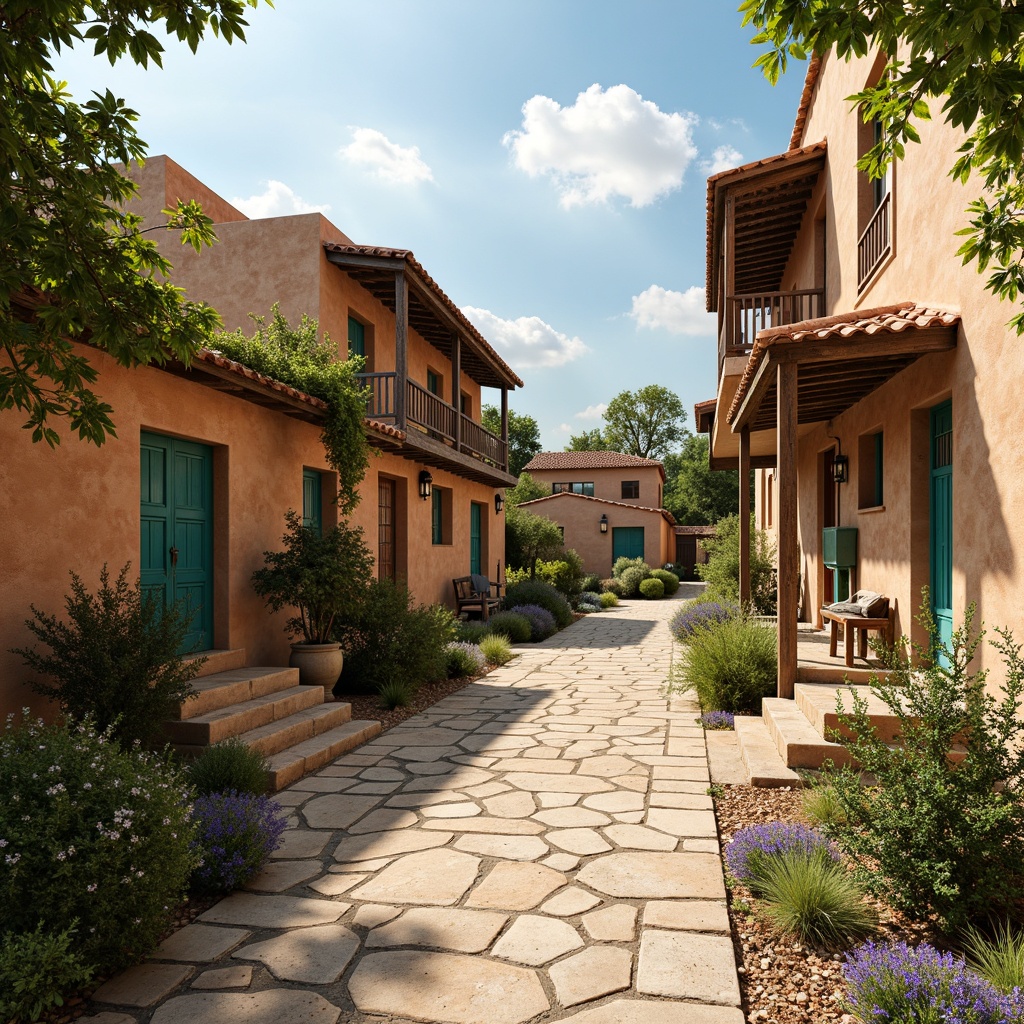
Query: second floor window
631, 488
356, 337
433, 382
574, 488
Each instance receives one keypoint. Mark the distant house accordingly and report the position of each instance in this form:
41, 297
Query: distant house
608, 505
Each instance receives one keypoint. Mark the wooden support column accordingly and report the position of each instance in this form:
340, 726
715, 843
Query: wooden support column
457, 388
786, 383
745, 516
504, 424
731, 324
401, 346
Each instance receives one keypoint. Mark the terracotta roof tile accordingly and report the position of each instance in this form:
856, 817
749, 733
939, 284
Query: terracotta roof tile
810, 81
588, 460
663, 512
893, 319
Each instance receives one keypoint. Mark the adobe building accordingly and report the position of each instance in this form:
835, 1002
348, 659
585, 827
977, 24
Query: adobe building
208, 458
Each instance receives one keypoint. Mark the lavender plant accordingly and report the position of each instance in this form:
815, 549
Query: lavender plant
752, 846
542, 622
718, 720
464, 659
237, 832
699, 614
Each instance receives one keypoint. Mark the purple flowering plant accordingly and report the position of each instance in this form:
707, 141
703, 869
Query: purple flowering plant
542, 622
900, 984
718, 720
699, 614
750, 847
237, 832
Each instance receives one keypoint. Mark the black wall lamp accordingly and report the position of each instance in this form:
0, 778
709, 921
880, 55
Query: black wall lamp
603, 523
499, 503
840, 463
426, 480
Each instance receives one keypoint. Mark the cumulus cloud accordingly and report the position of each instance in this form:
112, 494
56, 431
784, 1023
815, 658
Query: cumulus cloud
527, 343
608, 143
675, 312
723, 158
395, 164
593, 412
277, 201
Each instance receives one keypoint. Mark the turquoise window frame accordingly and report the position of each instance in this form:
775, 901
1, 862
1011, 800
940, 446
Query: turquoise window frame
436, 516
312, 500
356, 338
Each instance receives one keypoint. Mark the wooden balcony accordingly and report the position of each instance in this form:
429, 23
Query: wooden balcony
745, 315
875, 243
414, 408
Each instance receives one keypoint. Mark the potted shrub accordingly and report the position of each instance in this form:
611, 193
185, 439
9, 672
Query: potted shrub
320, 575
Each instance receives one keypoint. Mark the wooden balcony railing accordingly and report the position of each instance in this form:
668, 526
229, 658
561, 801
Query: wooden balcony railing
875, 242
745, 315
424, 410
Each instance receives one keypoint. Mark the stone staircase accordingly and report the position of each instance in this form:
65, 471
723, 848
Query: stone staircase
269, 710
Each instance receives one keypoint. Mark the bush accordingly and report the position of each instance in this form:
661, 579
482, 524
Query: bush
612, 586
589, 603
945, 838
387, 637
999, 959
231, 764
496, 649
237, 833
699, 614
37, 969
899, 984
542, 622
464, 659
116, 659
623, 563
565, 574
538, 592
471, 632
516, 627
631, 578
92, 834
718, 720
609, 600
395, 693
669, 579
730, 666
822, 806
815, 899
514, 576
592, 583
652, 589
722, 571
754, 846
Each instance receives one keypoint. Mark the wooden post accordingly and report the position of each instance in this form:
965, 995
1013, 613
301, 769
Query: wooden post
401, 346
745, 516
457, 388
504, 424
731, 324
786, 385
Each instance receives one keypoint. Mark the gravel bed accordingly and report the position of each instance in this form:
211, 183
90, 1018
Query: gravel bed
781, 981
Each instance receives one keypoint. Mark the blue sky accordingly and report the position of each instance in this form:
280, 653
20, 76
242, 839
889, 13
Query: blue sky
546, 161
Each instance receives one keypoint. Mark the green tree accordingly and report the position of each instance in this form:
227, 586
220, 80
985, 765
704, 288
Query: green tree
647, 422
74, 265
722, 571
588, 441
527, 489
529, 537
523, 435
694, 494
969, 58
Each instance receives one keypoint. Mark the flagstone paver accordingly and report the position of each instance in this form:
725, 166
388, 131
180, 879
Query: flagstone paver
537, 846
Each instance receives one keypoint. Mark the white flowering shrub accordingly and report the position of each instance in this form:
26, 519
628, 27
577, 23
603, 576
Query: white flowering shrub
91, 836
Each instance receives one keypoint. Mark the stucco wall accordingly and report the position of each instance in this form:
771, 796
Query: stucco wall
608, 482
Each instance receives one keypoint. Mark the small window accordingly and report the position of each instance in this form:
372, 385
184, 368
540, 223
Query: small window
433, 382
441, 515
870, 470
631, 488
576, 487
356, 338
465, 404
312, 499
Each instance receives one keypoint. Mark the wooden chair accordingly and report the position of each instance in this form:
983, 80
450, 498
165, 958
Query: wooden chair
472, 597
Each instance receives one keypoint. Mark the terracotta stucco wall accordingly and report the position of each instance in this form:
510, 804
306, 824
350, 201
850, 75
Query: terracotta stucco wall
608, 482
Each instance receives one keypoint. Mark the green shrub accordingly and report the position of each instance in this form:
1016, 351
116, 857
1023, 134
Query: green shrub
496, 649
999, 959
652, 589
540, 593
730, 665
387, 637
116, 658
612, 586
515, 627
464, 659
722, 570
669, 579
565, 573
815, 899
821, 804
946, 837
609, 600
37, 969
514, 575
230, 764
631, 578
592, 583
472, 632
93, 834
623, 563
395, 693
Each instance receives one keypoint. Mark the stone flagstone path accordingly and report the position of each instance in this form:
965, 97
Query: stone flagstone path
536, 847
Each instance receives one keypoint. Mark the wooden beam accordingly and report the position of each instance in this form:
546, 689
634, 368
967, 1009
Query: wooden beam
401, 346
789, 569
457, 387
745, 517
504, 423
764, 377
730, 269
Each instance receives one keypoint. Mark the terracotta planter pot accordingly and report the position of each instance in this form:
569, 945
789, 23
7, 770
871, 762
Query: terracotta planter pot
318, 664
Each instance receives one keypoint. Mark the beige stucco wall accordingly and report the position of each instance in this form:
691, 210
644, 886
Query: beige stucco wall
608, 482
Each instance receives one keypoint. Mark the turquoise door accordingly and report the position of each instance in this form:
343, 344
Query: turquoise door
177, 530
312, 496
474, 538
627, 542
941, 518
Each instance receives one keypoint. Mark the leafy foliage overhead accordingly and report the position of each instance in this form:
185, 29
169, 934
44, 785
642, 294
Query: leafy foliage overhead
74, 265
969, 58
523, 435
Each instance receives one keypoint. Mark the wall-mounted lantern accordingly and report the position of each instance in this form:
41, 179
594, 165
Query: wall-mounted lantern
426, 480
499, 503
603, 523
840, 469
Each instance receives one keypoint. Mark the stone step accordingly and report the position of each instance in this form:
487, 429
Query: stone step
818, 703
243, 717
218, 661
233, 686
797, 741
303, 725
764, 766
291, 764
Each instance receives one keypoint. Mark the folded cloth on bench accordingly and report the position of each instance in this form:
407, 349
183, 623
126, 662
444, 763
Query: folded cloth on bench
480, 584
865, 603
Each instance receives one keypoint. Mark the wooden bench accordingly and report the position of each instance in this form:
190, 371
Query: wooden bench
860, 625
472, 601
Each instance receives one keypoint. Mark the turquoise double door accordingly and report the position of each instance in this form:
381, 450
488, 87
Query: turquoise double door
176, 488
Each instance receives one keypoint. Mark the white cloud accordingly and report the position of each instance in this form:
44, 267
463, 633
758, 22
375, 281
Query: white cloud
723, 158
395, 164
592, 412
608, 143
675, 312
277, 201
527, 343
565, 428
